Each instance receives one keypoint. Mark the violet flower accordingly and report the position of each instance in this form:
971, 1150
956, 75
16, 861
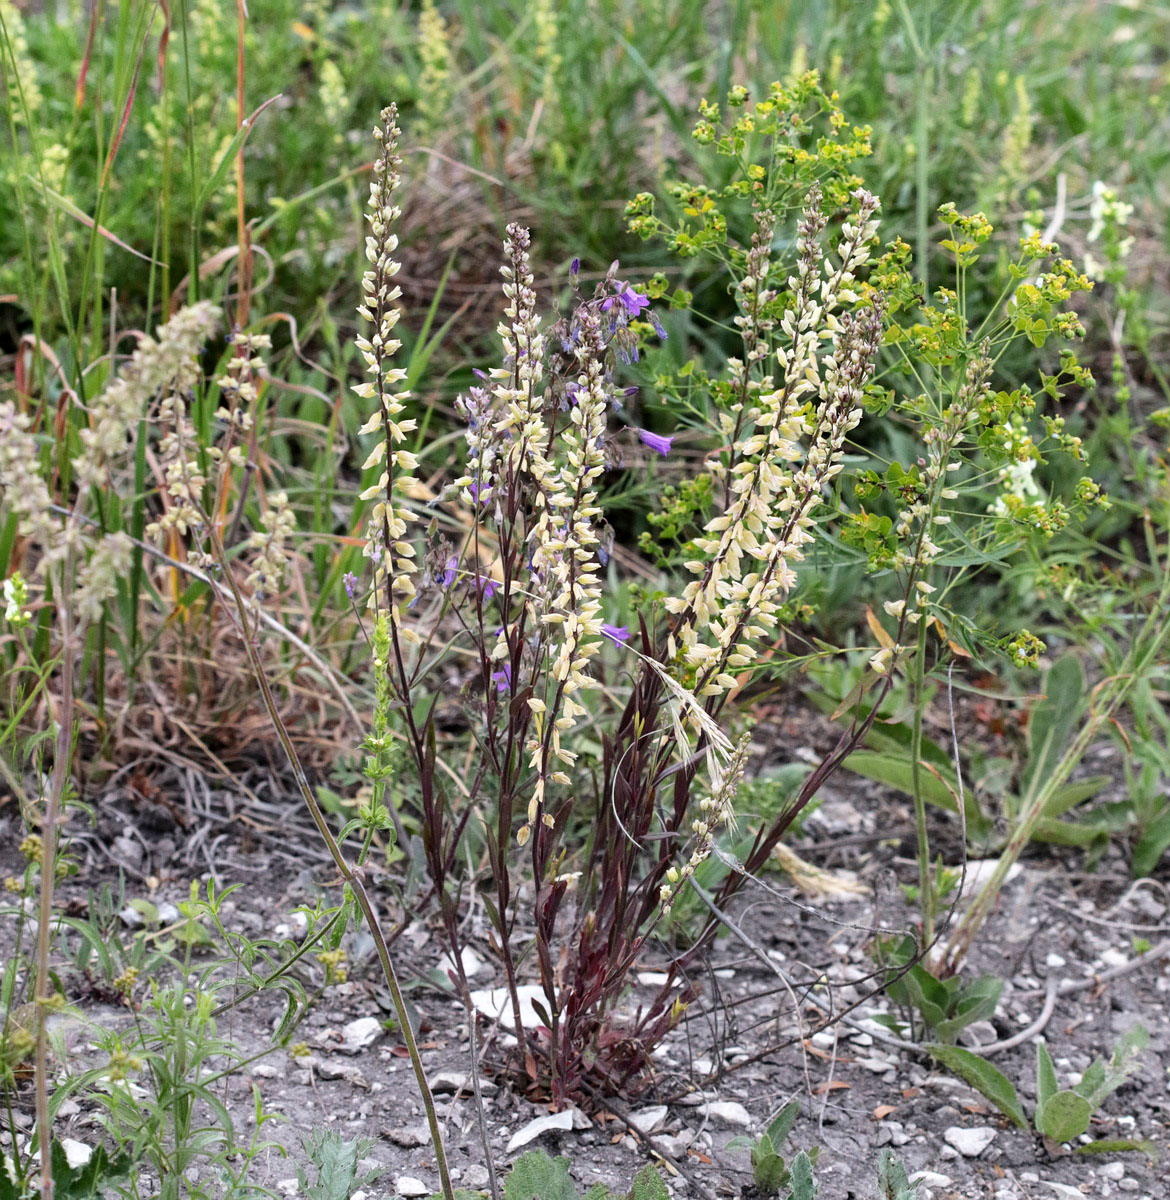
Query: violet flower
449, 571
656, 441
618, 634
632, 301
487, 586
350, 580
503, 678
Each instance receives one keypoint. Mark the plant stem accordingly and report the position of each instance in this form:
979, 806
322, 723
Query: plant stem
53, 807
925, 881
347, 872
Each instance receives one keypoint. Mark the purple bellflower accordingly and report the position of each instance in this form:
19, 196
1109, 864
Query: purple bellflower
656, 441
633, 302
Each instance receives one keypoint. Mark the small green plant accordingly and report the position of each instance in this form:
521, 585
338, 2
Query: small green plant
945, 1007
157, 1100
892, 1181
770, 1173
1061, 1114
537, 1176
336, 1162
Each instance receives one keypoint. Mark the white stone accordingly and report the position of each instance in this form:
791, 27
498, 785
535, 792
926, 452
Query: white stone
359, 1034
452, 1083
407, 1185
408, 1136
970, 1143
930, 1178
1054, 960
77, 1154
648, 1120
729, 1112
496, 1003
979, 871
449, 1083
476, 1176
674, 1146
554, 1121
1064, 1190
288, 1187
1113, 1170
472, 963
879, 1066
978, 1033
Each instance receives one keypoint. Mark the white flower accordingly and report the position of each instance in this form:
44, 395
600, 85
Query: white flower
15, 598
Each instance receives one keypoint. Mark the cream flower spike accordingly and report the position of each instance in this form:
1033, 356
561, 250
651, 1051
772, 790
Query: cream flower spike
387, 543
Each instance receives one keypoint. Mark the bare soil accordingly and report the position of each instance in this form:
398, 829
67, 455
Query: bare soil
749, 1041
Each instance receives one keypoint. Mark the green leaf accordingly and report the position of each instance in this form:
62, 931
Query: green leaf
804, 1183
897, 772
1152, 845
228, 156
982, 1076
648, 1185
8, 1188
1074, 793
892, 1181
336, 1161
781, 1127
1067, 833
1092, 1080
536, 1176
89, 1180
1053, 720
1064, 1117
1045, 1076
1119, 1146
770, 1172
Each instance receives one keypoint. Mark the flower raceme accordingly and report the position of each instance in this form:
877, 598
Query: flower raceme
536, 433
537, 462
773, 482
387, 541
